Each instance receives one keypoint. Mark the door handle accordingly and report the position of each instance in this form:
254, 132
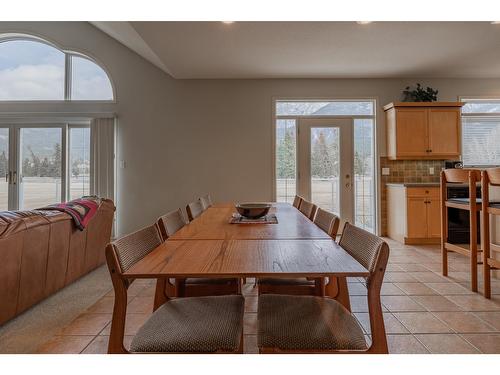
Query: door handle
14, 178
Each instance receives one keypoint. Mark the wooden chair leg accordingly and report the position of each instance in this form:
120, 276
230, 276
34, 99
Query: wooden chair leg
485, 241
444, 238
116, 335
160, 293
473, 250
343, 293
332, 288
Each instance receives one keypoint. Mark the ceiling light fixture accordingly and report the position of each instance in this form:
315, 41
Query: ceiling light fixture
228, 22
363, 22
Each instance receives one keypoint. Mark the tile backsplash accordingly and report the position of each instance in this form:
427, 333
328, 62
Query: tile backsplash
405, 171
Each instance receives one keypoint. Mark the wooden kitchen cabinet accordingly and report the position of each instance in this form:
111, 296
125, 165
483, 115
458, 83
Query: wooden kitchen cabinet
413, 214
423, 130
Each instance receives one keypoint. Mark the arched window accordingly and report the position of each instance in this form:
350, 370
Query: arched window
32, 69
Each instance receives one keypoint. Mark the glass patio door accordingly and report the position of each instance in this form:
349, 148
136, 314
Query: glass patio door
325, 164
40, 166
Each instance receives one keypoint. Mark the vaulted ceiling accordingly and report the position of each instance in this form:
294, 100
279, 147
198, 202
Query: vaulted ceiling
315, 49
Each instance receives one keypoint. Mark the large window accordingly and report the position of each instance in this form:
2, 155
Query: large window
481, 132
43, 164
31, 69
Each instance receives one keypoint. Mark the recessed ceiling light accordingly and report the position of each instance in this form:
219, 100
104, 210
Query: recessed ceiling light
228, 22
363, 22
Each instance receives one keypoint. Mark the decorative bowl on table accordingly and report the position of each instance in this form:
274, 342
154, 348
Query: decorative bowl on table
253, 210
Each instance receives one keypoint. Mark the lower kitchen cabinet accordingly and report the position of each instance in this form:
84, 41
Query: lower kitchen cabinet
413, 214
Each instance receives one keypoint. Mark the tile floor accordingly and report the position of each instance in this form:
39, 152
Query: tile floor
424, 311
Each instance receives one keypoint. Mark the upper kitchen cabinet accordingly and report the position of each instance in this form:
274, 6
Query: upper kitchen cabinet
424, 130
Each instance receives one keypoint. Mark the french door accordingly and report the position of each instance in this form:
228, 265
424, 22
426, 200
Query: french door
43, 164
325, 164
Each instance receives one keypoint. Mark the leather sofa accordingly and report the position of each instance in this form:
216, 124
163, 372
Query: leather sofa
42, 251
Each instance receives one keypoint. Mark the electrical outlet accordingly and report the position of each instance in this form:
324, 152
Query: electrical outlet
386, 171
431, 170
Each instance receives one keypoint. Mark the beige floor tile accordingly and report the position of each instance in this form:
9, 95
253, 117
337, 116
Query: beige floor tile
132, 324
250, 344
422, 322
415, 289
357, 289
392, 325
401, 303
436, 303
393, 268
435, 267
492, 318
250, 324
87, 324
486, 343
98, 346
475, 302
405, 344
389, 289
413, 267
446, 289
249, 289
359, 304
148, 291
396, 277
429, 277
136, 288
104, 305
65, 344
251, 303
464, 322
141, 304
446, 344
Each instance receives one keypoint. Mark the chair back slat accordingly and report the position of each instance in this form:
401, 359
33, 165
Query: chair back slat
362, 245
461, 175
296, 201
206, 201
307, 208
327, 221
135, 246
493, 176
194, 209
170, 223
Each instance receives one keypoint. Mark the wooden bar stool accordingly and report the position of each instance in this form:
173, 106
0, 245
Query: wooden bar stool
489, 177
471, 204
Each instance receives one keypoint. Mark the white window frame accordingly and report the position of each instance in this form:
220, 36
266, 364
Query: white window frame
376, 162
68, 55
15, 126
477, 115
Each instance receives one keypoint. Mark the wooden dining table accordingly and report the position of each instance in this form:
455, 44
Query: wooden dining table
211, 247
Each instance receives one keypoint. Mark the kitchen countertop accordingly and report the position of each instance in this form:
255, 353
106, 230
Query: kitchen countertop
414, 184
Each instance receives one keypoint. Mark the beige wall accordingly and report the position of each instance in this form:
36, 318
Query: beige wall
183, 138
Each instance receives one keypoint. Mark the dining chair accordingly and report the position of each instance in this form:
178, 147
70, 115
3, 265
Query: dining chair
309, 324
194, 209
307, 208
183, 325
296, 201
328, 222
206, 201
473, 205
489, 177
170, 223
